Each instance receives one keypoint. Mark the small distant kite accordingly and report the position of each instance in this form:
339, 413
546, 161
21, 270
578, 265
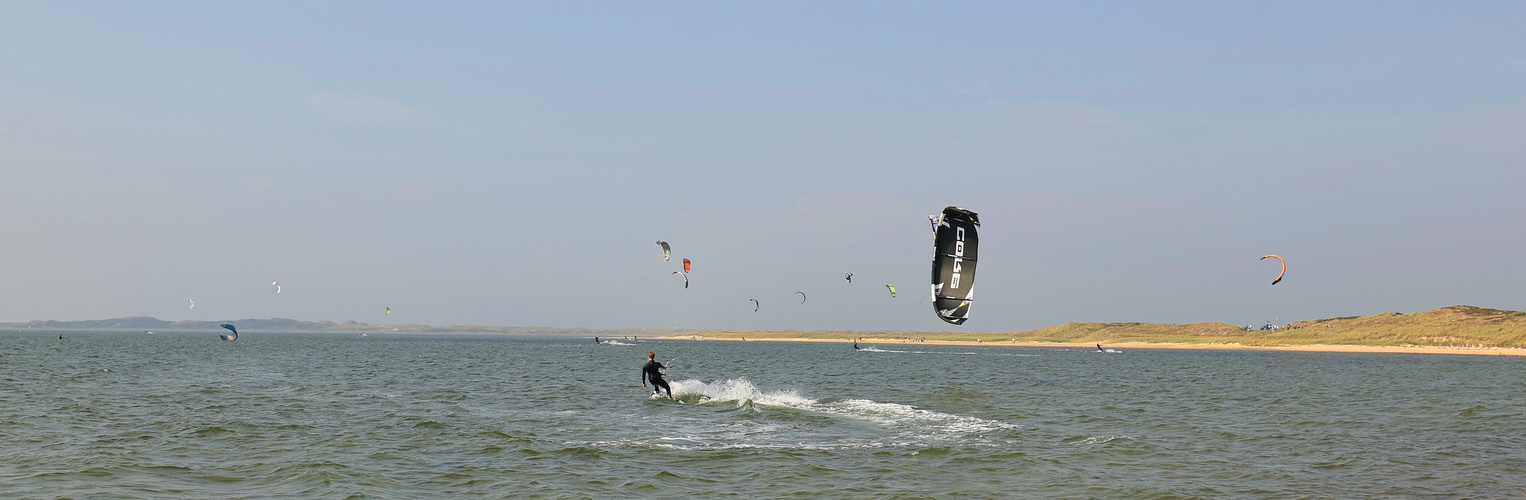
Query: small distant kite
389, 311
755, 305
686, 265
228, 337
802, 297
193, 303
276, 284
892, 289
848, 277
686, 277
666, 250
1284, 267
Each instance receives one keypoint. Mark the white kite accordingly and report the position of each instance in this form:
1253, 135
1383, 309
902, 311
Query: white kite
276, 284
193, 303
667, 251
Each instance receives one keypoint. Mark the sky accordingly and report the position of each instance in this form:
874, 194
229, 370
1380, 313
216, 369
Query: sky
513, 164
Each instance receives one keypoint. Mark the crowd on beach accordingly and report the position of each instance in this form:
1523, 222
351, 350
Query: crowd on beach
1272, 327
920, 339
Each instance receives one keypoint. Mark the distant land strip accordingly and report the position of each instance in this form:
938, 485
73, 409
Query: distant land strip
1454, 327
145, 323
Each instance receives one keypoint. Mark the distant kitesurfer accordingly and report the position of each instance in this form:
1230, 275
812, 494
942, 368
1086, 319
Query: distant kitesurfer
652, 371
1099, 348
596, 340
855, 345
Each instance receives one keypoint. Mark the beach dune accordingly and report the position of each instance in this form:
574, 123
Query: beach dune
1449, 330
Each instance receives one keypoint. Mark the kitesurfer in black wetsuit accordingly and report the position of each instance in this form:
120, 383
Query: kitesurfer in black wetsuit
1099, 348
652, 371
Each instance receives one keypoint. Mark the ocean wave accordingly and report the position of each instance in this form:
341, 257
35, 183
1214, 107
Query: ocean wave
1091, 440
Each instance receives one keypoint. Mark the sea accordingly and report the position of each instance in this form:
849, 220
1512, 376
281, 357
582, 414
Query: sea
271, 415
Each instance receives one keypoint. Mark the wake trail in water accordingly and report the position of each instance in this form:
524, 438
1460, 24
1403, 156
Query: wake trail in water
876, 349
893, 415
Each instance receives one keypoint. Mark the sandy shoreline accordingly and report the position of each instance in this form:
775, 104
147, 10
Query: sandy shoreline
1488, 351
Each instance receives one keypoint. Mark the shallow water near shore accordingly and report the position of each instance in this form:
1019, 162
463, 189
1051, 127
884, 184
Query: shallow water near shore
131, 415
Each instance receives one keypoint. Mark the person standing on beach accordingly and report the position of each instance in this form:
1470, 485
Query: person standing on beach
652, 371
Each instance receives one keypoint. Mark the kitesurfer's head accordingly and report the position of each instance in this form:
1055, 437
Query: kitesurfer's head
651, 355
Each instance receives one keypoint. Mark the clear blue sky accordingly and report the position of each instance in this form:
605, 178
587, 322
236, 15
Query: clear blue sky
513, 164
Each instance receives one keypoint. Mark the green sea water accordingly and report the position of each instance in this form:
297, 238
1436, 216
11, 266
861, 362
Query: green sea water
132, 415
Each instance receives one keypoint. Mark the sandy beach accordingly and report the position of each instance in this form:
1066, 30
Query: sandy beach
867, 341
